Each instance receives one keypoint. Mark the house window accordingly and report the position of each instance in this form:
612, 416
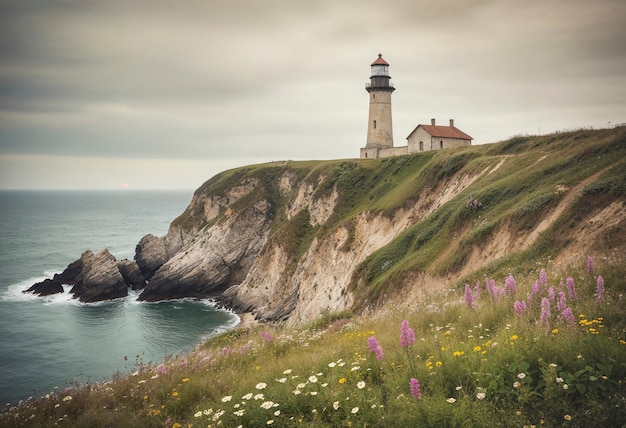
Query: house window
374, 124
441, 144
421, 146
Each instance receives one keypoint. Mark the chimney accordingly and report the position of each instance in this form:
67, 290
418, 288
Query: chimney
432, 121
451, 123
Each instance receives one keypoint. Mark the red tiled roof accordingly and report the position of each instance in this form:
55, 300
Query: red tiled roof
443, 131
380, 60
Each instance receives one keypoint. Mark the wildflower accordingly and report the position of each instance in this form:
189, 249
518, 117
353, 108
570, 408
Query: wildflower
168, 422
375, 347
469, 297
225, 351
259, 397
355, 368
567, 417
407, 336
543, 278
561, 303
342, 380
510, 287
571, 289
336, 405
227, 398
477, 291
360, 385
277, 413
415, 389
332, 364
559, 380
600, 290
438, 363
519, 307
458, 388
198, 414
260, 385
354, 410
568, 315
451, 400
270, 422
247, 396
551, 294
286, 372
516, 384
514, 337
555, 331
161, 369
267, 405
281, 380
312, 379
480, 395
521, 375
177, 425
545, 311
565, 386
240, 412
590, 265
68, 398
477, 348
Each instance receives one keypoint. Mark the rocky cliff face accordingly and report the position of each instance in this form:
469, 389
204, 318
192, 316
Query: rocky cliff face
287, 241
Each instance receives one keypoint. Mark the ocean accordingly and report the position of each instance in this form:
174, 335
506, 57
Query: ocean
54, 342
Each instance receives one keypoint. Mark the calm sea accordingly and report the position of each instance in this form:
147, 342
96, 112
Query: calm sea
54, 342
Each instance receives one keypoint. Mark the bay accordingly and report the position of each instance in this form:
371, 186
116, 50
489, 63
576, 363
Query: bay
54, 342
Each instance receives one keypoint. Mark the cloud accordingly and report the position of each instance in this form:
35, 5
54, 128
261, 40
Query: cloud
285, 80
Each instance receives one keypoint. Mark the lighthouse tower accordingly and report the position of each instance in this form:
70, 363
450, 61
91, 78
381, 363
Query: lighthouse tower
379, 130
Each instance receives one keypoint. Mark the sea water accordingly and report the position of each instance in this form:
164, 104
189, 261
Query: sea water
51, 343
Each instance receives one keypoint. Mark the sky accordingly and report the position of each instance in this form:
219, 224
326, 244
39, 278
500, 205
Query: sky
155, 94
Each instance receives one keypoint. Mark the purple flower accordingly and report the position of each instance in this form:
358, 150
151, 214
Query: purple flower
571, 289
568, 315
545, 311
416, 392
407, 336
161, 369
510, 286
225, 351
469, 297
168, 422
600, 289
590, 265
519, 307
477, 290
543, 278
266, 336
375, 347
551, 294
561, 303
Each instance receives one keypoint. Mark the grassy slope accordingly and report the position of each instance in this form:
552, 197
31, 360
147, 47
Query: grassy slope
460, 352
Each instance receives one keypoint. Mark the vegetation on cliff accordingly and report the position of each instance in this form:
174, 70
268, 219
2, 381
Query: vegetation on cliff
481, 308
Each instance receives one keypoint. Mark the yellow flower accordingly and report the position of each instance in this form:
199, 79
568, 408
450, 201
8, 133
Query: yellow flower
175, 393
145, 397
514, 337
458, 353
186, 379
438, 363
176, 425
342, 380
443, 348
555, 331
477, 348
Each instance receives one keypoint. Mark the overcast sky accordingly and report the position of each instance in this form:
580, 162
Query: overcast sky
165, 94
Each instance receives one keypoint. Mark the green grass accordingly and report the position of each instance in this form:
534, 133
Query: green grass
483, 366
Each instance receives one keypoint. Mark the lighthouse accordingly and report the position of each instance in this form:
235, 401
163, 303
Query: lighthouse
379, 129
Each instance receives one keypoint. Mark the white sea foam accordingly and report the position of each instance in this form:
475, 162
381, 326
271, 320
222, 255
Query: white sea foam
14, 292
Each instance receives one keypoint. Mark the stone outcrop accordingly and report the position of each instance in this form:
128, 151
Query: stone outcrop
99, 279
46, 287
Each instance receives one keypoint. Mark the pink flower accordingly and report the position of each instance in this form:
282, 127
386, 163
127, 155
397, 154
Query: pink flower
161, 369
469, 297
543, 278
407, 336
561, 303
571, 289
510, 287
600, 289
414, 386
590, 265
545, 311
519, 307
375, 347
568, 315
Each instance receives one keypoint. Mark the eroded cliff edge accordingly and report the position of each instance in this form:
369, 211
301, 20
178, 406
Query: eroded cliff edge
288, 240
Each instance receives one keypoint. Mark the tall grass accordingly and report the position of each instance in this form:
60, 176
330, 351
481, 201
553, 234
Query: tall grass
484, 365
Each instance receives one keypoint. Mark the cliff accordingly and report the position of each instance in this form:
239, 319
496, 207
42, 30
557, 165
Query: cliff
291, 239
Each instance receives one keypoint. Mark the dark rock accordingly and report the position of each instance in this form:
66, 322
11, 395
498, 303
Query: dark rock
70, 274
132, 274
46, 287
100, 278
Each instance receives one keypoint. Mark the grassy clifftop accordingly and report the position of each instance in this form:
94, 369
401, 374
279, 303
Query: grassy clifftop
529, 329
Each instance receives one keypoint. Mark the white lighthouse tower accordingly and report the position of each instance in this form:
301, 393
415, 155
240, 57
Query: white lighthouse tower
379, 127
